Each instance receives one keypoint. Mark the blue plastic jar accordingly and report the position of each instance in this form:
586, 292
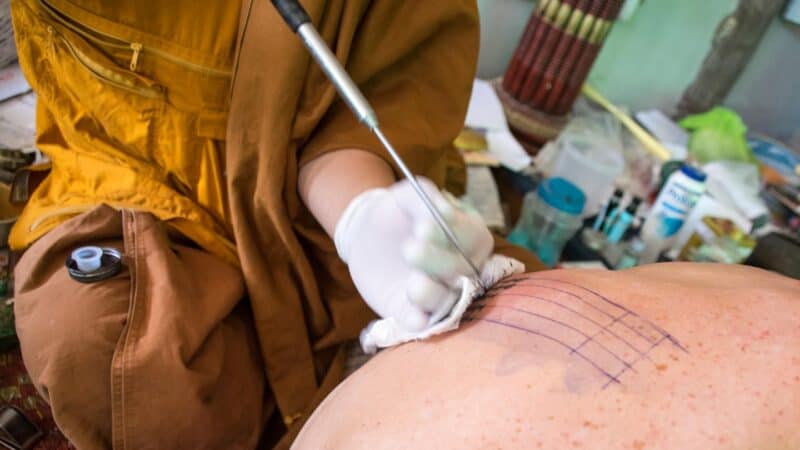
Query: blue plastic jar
550, 217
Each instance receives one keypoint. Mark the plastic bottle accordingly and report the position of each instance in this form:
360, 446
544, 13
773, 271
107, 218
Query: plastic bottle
550, 217
674, 203
623, 220
608, 208
631, 253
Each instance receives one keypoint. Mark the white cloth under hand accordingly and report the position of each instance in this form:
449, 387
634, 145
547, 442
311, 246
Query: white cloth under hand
388, 332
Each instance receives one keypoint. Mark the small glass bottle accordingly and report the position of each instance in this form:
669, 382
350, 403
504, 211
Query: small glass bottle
631, 252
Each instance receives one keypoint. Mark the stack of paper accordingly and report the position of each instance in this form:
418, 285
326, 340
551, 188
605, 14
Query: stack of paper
17, 110
486, 113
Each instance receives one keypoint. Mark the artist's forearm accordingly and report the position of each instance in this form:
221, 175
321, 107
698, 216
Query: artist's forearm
328, 184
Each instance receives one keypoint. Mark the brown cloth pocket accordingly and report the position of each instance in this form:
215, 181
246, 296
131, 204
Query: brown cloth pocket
160, 356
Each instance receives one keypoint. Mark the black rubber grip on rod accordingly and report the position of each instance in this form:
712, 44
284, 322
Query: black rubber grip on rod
292, 12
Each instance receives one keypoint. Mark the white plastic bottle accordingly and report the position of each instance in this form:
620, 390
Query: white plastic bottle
674, 203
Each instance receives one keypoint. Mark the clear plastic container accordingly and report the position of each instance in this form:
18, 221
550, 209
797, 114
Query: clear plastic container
550, 217
590, 167
675, 202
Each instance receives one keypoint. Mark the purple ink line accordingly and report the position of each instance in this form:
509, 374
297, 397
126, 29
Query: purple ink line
566, 325
515, 281
605, 328
625, 324
571, 294
582, 316
656, 344
611, 378
662, 331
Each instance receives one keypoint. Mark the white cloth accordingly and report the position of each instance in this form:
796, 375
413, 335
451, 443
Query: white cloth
737, 185
388, 332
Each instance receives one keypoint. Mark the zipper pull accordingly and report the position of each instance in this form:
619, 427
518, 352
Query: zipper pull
137, 48
51, 40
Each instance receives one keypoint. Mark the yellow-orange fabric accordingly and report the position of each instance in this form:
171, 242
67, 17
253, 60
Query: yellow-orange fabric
415, 62
163, 355
132, 108
164, 107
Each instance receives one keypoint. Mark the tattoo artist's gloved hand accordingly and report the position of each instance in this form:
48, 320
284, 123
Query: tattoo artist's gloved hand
400, 260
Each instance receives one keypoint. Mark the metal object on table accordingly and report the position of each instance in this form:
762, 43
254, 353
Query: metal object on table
110, 265
17, 431
298, 20
13, 159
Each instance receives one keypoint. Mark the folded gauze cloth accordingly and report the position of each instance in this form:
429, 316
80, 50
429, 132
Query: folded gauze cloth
384, 333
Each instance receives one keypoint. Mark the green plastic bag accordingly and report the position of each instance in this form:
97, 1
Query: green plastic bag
719, 134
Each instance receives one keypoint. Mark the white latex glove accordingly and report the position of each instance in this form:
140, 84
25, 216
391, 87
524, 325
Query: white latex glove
400, 260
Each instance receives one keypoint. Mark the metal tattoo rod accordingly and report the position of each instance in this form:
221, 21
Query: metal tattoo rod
298, 20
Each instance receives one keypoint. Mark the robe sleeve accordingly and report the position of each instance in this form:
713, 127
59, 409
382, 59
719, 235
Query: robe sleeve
415, 62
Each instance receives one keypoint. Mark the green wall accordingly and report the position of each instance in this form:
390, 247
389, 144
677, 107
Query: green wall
650, 59
767, 95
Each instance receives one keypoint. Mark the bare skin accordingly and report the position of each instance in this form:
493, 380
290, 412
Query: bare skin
668, 356
327, 185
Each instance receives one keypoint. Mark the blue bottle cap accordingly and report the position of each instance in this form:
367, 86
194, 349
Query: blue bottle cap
562, 195
693, 172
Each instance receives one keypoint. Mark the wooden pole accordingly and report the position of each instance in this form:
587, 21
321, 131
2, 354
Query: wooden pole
735, 41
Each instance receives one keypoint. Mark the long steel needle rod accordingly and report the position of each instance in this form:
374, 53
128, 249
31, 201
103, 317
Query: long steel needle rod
437, 216
298, 20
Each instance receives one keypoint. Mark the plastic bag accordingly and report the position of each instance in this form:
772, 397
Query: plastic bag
719, 134
596, 153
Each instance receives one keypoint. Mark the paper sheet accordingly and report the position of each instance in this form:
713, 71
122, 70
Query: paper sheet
483, 195
669, 133
18, 123
486, 113
12, 82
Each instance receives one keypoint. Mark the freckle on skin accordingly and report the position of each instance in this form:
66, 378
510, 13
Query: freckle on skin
661, 367
638, 445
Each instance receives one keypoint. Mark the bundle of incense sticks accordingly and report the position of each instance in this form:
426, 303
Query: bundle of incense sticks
556, 52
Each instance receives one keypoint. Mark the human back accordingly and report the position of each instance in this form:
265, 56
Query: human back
670, 356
